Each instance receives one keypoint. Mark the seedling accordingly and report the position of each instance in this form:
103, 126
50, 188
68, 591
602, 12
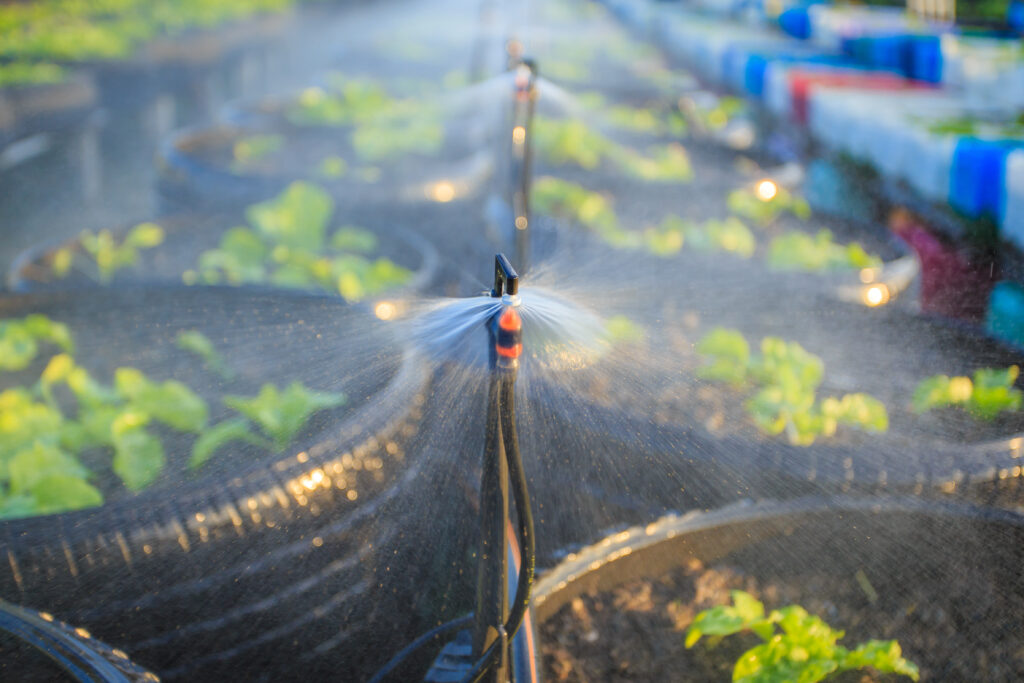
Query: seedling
787, 378
279, 415
572, 142
729, 235
990, 394
251, 150
196, 342
355, 101
30, 73
795, 250
109, 255
796, 646
575, 202
41, 439
288, 247
765, 208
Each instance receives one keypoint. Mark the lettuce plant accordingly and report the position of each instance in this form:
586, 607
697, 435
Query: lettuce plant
786, 378
988, 395
796, 646
45, 429
279, 415
729, 235
746, 203
573, 142
251, 150
108, 254
795, 250
288, 246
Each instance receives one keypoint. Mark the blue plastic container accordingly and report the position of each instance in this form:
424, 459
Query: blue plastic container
1005, 317
978, 176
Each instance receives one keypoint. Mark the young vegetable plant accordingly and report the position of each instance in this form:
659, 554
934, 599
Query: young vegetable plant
42, 437
796, 646
591, 209
987, 396
279, 415
288, 247
251, 150
730, 235
107, 253
766, 203
572, 142
795, 250
786, 377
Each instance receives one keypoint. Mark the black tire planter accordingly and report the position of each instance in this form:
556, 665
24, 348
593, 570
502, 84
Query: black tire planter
31, 109
187, 177
38, 647
173, 63
187, 235
235, 572
692, 466
896, 542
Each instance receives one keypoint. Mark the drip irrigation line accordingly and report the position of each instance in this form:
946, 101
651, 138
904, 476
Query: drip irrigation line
405, 652
526, 533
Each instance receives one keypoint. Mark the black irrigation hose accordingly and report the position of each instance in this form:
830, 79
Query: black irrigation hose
526, 536
404, 653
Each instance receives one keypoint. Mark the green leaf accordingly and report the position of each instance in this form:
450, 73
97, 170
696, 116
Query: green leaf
747, 606
211, 440
29, 467
138, 455
859, 410
62, 493
45, 329
23, 422
196, 342
941, 390
885, 656
145, 236
994, 392
18, 346
170, 402
296, 218
621, 330
717, 621
729, 355
282, 414
351, 238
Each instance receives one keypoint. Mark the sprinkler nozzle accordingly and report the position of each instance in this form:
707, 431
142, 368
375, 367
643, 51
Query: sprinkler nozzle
508, 336
506, 279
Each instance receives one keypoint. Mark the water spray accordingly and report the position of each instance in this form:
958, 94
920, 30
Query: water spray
491, 645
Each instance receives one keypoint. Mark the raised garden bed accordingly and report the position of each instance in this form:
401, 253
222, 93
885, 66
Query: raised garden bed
208, 566
201, 168
186, 237
942, 580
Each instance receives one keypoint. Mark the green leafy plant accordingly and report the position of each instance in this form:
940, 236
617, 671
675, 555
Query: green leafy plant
717, 116
107, 253
796, 646
20, 339
30, 73
388, 138
591, 209
199, 344
989, 394
573, 142
729, 235
287, 246
251, 150
763, 209
795, 250
45, 429
278, 415
349, 101
786, 378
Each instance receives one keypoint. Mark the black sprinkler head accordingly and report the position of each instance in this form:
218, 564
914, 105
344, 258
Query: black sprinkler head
506, 279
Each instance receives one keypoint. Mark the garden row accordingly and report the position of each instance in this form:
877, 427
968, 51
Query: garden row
931, 111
